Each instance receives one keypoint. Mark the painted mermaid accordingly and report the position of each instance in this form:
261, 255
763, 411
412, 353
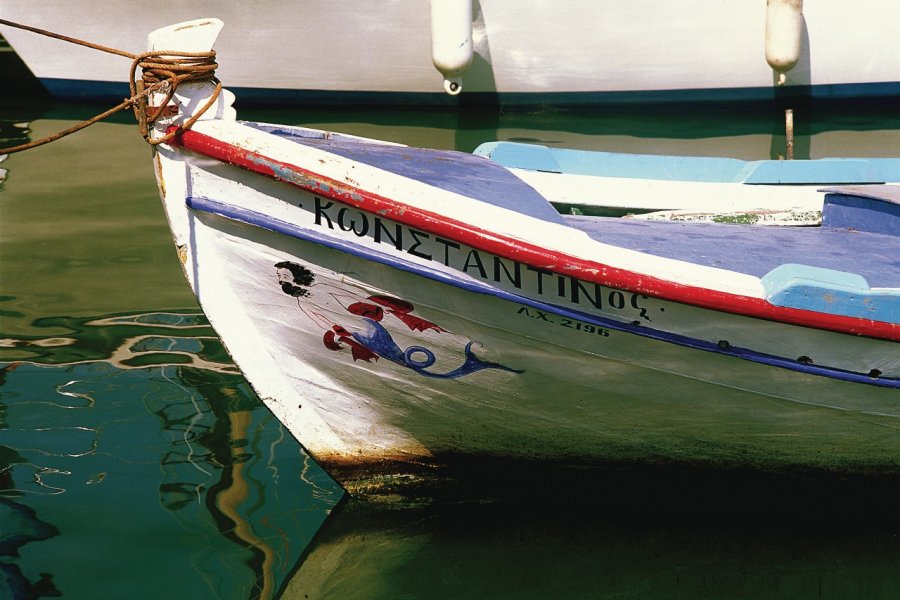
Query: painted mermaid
374, 340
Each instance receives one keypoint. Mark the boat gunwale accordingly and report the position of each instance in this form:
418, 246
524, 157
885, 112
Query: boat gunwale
523, 251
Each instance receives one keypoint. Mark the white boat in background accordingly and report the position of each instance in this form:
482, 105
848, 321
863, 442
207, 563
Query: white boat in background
566, 52
688, 188
408, 312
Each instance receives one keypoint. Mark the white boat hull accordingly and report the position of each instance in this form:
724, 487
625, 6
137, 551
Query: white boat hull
401, 308
577, 51
569, 383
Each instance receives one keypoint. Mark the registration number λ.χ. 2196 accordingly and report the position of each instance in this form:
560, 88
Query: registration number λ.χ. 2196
573, 324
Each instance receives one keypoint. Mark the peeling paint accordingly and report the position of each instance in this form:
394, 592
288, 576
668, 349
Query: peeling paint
793, 218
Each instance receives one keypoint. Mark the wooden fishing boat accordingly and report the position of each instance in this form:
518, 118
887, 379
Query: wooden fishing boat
406, 310
573, 52
690, 188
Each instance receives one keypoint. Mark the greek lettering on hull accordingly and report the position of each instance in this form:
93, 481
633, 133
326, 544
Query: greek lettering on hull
373, 340
503, 273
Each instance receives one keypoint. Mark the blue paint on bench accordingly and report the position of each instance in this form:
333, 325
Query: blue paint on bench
610, 164
823, 171
873, 210
831, 292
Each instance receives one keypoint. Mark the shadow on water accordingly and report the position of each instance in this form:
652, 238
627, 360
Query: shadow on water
533, 551
506, 529
627, 531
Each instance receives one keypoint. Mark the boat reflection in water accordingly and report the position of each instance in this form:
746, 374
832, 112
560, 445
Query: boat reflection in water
536, 552
201, 483
11, 134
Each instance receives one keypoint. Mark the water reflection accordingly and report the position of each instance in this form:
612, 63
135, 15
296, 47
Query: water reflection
127, 341
11, 134
748, 132
132, 440
21, 526
526, 552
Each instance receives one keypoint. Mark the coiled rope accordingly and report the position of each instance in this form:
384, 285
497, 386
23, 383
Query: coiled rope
162, 71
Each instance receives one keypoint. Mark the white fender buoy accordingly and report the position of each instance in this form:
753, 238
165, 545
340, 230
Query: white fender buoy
451, 41
784, 35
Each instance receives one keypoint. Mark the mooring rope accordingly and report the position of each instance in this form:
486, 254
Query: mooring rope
162, 71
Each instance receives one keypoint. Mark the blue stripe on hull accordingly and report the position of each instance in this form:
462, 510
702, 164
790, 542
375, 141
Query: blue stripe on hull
106, 91
277, 226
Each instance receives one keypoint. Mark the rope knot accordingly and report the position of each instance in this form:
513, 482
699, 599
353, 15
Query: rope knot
162, 71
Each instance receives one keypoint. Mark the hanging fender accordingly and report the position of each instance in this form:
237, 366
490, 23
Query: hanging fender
784, 35
452, 49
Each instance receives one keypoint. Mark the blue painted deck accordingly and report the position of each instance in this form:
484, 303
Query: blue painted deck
458, 172
753, 250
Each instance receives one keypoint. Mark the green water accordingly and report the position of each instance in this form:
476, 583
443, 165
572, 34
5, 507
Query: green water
135, 462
